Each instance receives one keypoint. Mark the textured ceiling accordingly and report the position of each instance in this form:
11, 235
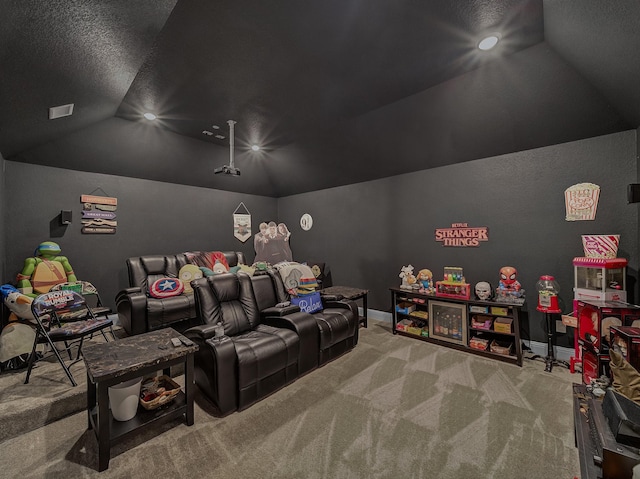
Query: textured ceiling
336, 92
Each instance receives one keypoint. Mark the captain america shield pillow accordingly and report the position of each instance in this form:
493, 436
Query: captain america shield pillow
166, 287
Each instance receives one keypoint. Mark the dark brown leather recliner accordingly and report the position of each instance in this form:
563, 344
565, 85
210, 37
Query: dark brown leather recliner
139, 313
337, 323
255, 357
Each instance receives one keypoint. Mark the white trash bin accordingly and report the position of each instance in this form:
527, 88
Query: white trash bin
124, 398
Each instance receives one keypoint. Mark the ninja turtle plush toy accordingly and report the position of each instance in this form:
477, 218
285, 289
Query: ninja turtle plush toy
45, 270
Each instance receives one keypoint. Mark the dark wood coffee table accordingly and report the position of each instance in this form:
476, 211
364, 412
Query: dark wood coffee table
353, 294
117, 361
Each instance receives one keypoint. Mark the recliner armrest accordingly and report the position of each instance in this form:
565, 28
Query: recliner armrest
331, 297
283, 311
131, 304
201, 332
344, 304
305, 326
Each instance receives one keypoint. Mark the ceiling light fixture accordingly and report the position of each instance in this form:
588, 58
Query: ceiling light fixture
255, 147
229, 169
150, 116
488, 42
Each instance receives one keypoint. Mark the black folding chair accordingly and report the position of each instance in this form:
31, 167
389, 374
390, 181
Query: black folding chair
90, 294
63, 316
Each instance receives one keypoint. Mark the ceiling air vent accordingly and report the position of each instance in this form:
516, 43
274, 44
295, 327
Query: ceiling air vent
60, 111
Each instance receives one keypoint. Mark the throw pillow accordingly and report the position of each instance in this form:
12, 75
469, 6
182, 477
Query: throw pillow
308, 303
166, 287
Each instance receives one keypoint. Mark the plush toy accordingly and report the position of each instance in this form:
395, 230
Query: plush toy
408, 279
425, 279
16, 339
46, 269
188, 273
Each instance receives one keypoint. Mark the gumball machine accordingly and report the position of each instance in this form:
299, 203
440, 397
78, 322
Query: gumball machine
548, 295
548, 304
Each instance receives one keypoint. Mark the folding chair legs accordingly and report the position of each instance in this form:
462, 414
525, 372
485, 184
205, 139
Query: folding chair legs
60, 360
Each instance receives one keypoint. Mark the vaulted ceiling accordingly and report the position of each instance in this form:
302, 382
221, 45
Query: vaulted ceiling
335, 91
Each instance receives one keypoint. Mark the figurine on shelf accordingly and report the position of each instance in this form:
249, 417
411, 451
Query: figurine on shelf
509, 289
408, 279
484, 291
425, 280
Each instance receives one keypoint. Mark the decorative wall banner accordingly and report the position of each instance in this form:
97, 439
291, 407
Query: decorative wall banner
242, 223
581, 201
462, 235
99, 214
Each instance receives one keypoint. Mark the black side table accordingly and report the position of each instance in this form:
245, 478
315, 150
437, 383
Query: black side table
353, 294
117, 361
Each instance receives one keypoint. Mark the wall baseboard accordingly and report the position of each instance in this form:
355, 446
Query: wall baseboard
537, 347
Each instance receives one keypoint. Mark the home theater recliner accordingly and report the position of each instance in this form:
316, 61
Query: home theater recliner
264, 346
139, 313
337, 323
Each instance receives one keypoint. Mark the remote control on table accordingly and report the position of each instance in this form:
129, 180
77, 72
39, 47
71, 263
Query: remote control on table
176, 342
186, 341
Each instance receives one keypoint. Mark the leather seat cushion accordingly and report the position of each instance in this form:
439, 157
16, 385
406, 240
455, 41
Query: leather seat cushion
170, 310
263, 352
335, 325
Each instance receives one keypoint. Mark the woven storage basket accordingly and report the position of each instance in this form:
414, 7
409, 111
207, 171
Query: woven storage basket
171, 390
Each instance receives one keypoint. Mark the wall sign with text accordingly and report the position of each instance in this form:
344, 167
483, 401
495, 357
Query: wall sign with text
99, 214
462, 235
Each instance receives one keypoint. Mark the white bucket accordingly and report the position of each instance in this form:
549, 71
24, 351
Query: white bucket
124, 398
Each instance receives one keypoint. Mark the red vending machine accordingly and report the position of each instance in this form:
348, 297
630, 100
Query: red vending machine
595, 320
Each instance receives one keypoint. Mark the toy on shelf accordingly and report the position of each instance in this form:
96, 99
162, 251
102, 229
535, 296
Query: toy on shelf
548, 295
425, 280
408, 278
453, 285
45, 270
483, 291
509, 289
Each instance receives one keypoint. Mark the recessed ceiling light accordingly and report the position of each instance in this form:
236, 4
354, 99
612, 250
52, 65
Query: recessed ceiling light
220, 137
150, 116
255, 147
215, 127
488, 42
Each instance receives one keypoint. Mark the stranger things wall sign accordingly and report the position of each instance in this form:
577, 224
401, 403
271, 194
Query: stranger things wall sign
462, 235
99, 214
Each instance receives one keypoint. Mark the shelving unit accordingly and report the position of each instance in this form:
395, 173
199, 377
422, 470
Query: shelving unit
455, 323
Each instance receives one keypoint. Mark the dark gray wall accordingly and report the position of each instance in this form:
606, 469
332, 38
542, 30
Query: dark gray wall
367, 231
3, 217
153, 218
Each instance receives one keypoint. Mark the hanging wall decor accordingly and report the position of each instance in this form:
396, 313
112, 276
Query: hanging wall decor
462, 235
98, 214
306, 222
581, 201
242, 223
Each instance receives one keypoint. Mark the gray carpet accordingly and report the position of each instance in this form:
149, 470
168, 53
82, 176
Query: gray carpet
392, 408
